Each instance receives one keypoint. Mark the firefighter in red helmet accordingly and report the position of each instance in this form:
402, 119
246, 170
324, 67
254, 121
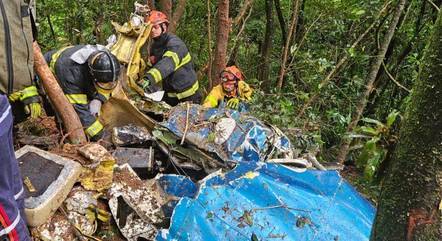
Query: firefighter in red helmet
232, 91
171, 64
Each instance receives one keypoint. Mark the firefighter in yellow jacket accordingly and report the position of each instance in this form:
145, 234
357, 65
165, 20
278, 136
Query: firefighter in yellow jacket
233, 91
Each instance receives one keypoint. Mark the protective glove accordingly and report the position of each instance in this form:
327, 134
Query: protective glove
31, 100
34, 110
233, 103
144, 83
95, 107
148, 86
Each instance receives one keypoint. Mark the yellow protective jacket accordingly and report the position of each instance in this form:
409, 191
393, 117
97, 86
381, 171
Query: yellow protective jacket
217, 94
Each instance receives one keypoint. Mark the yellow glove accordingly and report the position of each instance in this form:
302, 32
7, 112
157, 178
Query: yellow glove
34, 110
233, 103
30, 98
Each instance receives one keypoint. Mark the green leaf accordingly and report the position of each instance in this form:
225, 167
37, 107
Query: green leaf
391, 118
352, 52
373, 163
211, 137
359, 12
166, 137
369, 130
210, 215
247, 218
293, 49
373, 121
368, 151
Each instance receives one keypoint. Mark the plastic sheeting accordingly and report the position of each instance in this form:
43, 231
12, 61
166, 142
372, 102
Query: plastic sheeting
257, 201
232, 135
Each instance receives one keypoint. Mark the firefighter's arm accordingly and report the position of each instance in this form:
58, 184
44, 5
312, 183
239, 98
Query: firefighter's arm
213, 98
30, 98
245, 91
171, 60
92, 125
101, 96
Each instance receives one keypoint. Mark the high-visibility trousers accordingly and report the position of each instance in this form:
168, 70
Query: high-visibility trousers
12, 219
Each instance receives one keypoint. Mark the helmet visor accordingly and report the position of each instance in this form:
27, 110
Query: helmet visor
227, 76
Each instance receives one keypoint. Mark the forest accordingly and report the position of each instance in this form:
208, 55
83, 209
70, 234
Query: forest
357, 83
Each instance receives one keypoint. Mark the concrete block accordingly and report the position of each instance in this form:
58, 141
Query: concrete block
52, 177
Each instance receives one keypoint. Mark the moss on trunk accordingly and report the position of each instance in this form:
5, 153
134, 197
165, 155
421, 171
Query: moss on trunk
412, 190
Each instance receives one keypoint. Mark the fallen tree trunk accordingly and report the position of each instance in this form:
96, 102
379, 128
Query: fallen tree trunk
70, 119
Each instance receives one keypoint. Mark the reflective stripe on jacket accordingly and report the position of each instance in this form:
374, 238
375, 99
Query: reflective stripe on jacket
173, 67
217, 94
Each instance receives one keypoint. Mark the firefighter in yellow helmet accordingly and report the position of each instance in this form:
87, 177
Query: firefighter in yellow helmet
233, 91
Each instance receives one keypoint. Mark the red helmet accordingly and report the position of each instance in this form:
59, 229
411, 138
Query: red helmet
231, 73
157, 17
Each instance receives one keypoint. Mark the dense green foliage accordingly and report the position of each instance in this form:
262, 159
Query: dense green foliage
326, 30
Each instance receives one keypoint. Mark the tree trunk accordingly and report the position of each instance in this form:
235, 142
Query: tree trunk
281, 20
97, 30
382, 83
266, 50
179, 11
166, 7
222, 38
209, 44
343, 150
292, 31
61, 104
410, 201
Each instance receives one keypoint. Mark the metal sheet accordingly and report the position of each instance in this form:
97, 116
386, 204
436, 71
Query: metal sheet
257, 201
248, 140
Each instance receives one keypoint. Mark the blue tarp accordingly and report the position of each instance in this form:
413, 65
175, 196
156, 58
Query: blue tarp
257, 201
250, 140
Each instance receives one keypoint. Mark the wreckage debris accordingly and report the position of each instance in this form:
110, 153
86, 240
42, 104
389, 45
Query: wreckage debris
51, 176
56, 228
136, 204
130, 135
141, 160
77, 219
97, 175
268, 201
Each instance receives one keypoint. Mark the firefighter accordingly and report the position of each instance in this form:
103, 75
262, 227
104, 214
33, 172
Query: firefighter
233, 91
172, 64
17, 62
16, 85
87, 74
